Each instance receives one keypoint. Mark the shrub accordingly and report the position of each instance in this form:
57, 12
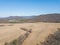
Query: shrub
6, 43
14, 42
53, 39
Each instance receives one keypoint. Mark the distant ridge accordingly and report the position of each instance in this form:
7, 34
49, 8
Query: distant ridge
48, 18
41, 18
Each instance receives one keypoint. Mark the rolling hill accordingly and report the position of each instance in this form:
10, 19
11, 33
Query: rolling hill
41, 18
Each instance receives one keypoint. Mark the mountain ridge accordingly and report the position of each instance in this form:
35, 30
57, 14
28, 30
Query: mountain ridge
41, 18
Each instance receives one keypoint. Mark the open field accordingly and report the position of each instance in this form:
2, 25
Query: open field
40, 30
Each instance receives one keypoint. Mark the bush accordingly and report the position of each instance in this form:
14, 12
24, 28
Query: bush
53, 39
14, 42
6, 43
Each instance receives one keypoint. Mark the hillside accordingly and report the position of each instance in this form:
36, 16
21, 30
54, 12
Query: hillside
40, 18
48, 18
9, 33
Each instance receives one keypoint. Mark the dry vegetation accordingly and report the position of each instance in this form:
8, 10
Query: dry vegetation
52, 39
20, 39
27, 33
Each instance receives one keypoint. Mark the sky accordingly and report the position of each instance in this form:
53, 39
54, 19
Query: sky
28, 7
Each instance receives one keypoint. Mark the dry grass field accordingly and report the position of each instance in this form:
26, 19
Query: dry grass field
40, 30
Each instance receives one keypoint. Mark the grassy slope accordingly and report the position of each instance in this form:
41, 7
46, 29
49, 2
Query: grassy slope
39, 32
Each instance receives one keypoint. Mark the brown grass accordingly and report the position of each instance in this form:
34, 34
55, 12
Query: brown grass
39, 32
52, 39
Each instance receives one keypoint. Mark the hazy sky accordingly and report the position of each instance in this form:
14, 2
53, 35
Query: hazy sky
28, 7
